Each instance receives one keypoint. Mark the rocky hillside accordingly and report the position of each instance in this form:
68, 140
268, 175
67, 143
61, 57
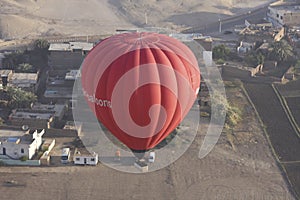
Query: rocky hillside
33, 18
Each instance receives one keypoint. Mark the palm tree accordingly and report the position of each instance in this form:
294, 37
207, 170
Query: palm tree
281, 50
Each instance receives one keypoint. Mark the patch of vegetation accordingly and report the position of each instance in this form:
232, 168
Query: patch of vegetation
233, 115
297, 67
28, 61
221, 52
19, 98
255, 58
2, 163
220, 61
24, 158
41, 44
233, 84
281, 51
13, 59
39, 154
25, 68
204, 114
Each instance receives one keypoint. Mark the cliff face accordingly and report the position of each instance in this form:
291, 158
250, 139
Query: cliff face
33, 18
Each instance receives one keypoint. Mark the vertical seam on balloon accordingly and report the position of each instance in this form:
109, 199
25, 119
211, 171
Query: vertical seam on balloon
170, 64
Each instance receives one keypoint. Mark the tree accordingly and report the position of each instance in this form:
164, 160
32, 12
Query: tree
221, 52
233, 114
25, 68
19, 98
13, 59
282, 51
39, 56
41, 44
255, 58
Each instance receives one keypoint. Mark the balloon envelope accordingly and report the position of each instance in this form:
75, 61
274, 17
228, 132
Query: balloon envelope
140, 86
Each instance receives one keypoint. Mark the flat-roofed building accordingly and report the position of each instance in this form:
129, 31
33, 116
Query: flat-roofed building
66, 56
58, 94
71, 76
32, 118
25, 81
58, 109
284, 15
16, 144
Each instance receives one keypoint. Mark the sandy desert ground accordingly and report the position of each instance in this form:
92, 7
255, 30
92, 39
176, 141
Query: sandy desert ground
249, 172
35, 18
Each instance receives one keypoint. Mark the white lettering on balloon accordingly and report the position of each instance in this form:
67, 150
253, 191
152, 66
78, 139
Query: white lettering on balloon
95, 100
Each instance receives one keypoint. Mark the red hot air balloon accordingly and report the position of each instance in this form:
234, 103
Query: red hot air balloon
140, 86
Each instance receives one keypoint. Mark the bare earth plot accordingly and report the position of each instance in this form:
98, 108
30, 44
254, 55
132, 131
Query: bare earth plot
291, 93
248, 173
294, 105
283, 137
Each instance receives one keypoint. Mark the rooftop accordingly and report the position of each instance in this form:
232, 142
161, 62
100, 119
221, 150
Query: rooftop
57, 108
5, 72
70, 125
287, 8
16, 136
31, 115
58, 92
24, 79
11, 133
84, 46
72, 75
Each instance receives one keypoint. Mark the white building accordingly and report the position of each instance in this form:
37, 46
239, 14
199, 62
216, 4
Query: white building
206, 44
245, 47
81, 158
16, 144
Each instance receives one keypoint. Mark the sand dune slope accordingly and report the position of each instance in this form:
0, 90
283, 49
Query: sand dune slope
32, 18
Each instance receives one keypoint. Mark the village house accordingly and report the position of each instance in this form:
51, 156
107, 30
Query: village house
240, 70
38, 116
71, 76
284, 14
83, 157
16, 144
31, 118
261, 24
59, 88
67, 56
25, 81
59, 110
58, 94
293, 36
245, 47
